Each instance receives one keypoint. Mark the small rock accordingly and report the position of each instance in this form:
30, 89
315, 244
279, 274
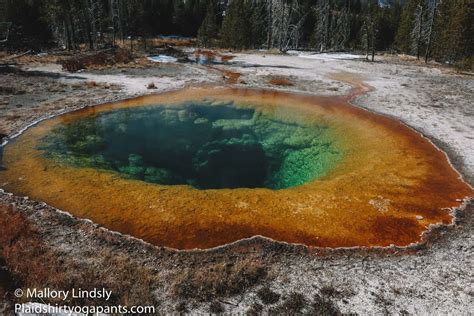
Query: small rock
419, 217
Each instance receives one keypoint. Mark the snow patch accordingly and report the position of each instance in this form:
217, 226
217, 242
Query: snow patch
330, 56
163, 59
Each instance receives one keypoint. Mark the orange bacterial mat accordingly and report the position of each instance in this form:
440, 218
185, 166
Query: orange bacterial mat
362, 180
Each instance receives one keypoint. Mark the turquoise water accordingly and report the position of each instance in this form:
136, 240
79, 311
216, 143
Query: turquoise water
200, 144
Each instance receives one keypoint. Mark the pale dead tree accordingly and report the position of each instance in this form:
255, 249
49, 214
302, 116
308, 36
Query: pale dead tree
115, 14
340, 28
269, 23
369, 34
87, 15
58, 16
418, 29
4, 26
4, 31
372, 30
295, 32
365, 30
322, 13
57, 25
332, 28
260, 18
432, 14
94, 11
284, 20
280, 21
423, 27
296, 18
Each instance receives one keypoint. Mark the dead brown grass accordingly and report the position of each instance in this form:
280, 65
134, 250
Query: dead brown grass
297, 304
280, 82
293, 304
17, 251
158, 42
323, 306
231, 77
38, 265
151, 85
13, 225
91, 84
12, 117
101, 58
267, 296
213, 55
220, 279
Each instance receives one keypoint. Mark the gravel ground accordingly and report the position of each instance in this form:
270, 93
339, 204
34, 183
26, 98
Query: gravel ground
436, 277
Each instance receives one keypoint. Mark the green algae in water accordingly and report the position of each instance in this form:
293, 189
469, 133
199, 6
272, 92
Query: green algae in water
200, 144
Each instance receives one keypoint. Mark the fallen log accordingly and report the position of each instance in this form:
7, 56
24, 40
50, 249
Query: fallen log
16, 56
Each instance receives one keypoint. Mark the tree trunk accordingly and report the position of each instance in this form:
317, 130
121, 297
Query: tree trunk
327, 25
73, 32
270, 25
430, 34
420, 34
367, 44
372, 40
86, 24
68, 36
89, 38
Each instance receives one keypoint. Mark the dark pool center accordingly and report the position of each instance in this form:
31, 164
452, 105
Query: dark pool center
203, 144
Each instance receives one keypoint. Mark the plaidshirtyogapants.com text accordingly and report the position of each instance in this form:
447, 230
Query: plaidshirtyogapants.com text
34, 296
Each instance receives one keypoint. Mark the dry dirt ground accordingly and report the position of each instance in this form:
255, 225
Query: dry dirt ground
43, 247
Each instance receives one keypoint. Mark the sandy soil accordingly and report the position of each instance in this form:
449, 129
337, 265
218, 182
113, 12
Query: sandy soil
436, 277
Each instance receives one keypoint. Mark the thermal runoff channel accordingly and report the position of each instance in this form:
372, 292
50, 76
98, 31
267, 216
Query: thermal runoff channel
203, 167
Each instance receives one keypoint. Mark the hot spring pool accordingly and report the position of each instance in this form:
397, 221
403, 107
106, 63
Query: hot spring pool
204, 144
203, 167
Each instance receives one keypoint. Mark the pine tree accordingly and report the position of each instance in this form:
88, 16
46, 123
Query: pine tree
323, 22
208, 30
461, 23
453, 38
236, 30
259, 22
403, 39
179, 16
388, 23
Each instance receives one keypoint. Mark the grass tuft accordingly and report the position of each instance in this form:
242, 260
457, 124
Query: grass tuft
293, 304
216, 307
219, 280
267, 296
